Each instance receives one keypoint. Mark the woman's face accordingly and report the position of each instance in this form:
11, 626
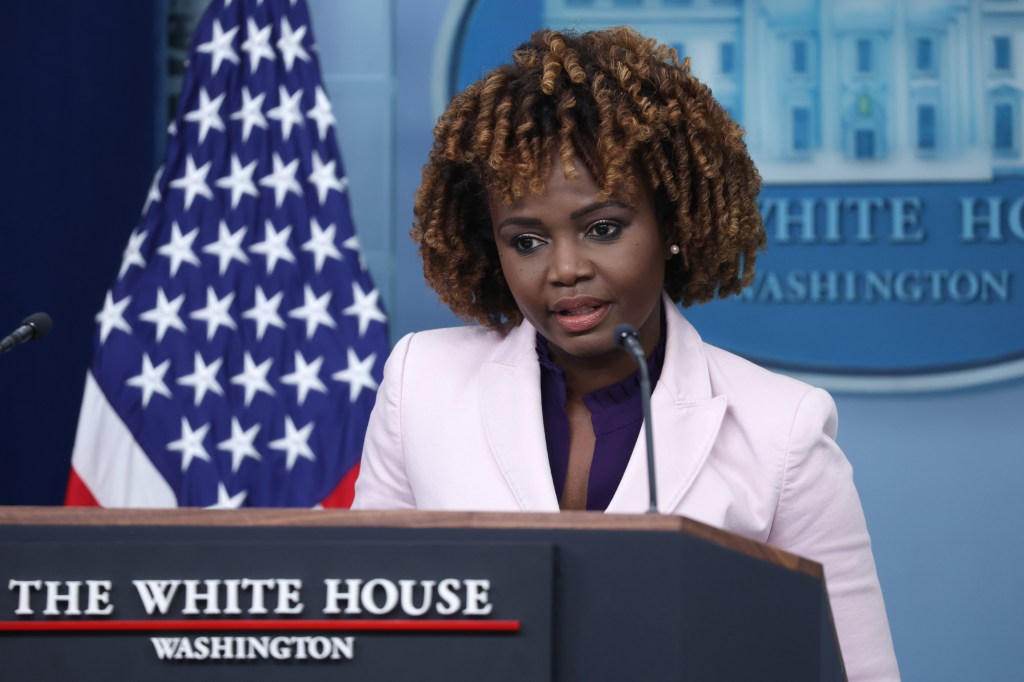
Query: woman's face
579, 265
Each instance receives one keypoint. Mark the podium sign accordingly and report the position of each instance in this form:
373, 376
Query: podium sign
189, 594
167, 610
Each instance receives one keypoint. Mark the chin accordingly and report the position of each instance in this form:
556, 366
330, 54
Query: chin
593, 344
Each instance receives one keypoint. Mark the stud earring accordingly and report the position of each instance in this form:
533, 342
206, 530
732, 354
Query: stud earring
674, 249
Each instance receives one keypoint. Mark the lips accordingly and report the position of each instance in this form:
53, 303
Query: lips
579, 313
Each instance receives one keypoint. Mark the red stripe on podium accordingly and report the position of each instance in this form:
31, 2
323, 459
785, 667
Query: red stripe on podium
219, 625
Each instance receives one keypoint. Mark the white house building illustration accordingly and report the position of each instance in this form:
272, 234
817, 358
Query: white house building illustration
849, 90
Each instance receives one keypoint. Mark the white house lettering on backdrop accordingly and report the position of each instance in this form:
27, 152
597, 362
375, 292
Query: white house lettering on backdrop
893, 220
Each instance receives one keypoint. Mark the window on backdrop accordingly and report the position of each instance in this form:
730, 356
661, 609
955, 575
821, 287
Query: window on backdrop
864, 55
1001, 53
728, 57
799, 57
801, 129
923, 55
926, 127
1003, 128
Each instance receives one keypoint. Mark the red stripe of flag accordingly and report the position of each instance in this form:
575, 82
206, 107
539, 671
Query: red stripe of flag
78, 494
344, 492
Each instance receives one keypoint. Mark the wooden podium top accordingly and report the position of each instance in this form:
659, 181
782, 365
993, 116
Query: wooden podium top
340, 518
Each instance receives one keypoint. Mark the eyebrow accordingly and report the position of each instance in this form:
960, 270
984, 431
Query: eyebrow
578, 213
598, 206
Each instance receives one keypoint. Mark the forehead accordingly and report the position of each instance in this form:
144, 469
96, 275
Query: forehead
580, 187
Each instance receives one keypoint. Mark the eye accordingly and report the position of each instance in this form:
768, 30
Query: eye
526, 243
605, 230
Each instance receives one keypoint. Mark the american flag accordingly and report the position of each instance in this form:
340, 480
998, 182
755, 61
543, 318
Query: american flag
238, 353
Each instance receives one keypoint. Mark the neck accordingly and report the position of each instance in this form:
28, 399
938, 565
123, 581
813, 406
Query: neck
586, 375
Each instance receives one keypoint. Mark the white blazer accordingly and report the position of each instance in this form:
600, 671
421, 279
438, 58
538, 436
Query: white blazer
458, 426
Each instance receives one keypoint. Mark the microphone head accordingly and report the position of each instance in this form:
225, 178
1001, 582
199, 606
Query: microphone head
625, 331
41, 324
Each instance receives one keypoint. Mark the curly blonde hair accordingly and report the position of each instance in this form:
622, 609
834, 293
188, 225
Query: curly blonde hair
624, 106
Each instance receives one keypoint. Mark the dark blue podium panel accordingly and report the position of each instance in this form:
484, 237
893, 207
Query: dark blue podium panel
402, 596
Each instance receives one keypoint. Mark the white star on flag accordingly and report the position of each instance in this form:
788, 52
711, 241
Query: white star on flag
295, 443
112, 316
253, 378
219, 47
190, 444
264, 312
290, 44
321, 243
132, 253
240, 444
179, 249
193, 182
282, 180
324, 178
358, 374
228, 247
314, 311
227, 501
250, 113
306, 377
153, 196
215, 313
239, 181
322, 113
364, 306
257, 44
151, 379
274, 246
352, 244
287, 111
203, 378
164, 314
206, 114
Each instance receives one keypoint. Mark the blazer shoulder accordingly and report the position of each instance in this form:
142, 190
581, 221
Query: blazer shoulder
748, 383
465, 339
448, 350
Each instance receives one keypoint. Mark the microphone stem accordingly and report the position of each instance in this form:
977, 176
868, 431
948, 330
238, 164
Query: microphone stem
632, 345
645, 397
626, 338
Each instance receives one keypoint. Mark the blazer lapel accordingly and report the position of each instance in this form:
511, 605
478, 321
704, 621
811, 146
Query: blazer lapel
683, 435
687, 420
511, 407
686, 423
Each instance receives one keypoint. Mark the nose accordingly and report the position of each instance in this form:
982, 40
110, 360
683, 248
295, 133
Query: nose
569, 263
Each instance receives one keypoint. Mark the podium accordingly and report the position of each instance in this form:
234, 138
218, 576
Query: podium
309, 594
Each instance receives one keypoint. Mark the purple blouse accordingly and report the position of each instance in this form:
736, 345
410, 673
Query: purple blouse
616, 413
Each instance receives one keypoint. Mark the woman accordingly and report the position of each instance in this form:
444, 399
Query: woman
592, 182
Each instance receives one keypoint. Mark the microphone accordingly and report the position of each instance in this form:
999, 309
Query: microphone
33, 327
627, 338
